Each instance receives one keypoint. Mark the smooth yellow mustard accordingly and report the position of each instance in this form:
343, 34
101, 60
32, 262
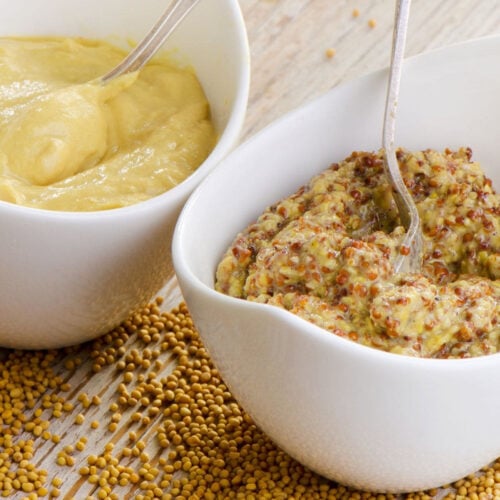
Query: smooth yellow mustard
70, 143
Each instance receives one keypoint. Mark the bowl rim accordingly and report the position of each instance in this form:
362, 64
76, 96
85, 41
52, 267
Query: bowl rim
188, 278
181, 191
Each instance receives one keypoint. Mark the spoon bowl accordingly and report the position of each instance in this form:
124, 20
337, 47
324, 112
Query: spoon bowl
366, 418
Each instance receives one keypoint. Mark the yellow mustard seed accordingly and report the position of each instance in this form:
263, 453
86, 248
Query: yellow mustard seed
42, 491
200, 443
84, 470
330, 52
93, 479
57, 482
68, 406
79, 419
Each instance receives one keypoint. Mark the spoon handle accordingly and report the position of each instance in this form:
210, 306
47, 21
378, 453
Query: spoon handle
411, 248
173, 15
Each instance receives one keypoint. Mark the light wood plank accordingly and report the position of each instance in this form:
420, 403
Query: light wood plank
288, 42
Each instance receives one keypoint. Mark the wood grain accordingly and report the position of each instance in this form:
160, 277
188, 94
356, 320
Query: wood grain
288, 40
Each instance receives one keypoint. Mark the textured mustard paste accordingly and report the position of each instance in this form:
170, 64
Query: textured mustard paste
326, 252
70, 143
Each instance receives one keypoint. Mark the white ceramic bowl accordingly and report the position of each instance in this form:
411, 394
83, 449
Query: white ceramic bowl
67, 277
366, 418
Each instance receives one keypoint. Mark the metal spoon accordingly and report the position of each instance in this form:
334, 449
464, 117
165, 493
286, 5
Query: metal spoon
147, 48
410, 256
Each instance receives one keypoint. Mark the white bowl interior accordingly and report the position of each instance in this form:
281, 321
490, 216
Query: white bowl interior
368, 418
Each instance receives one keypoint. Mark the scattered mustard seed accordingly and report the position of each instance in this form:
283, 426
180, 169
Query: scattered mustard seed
79, 419
198, 444
330, 53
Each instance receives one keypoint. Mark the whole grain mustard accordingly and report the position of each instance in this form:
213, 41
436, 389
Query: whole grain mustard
325, 253
68, 142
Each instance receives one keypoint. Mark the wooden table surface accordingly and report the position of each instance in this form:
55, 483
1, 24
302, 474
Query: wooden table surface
299, 50
289, 40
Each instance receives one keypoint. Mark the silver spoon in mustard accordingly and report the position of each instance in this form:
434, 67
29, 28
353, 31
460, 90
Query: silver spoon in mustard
410, 255
149, 45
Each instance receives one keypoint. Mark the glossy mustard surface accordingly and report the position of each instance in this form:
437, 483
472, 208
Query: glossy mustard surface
67, 142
